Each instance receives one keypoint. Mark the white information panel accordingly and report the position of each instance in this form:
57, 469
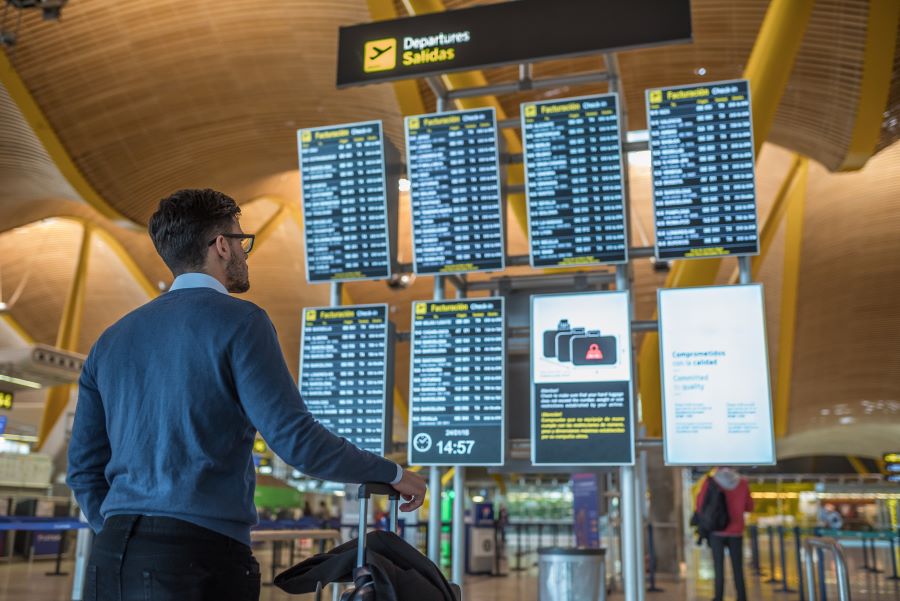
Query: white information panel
717, 406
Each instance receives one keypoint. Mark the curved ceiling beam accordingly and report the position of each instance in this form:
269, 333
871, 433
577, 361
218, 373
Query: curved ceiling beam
874, 89
768, 70
53, 145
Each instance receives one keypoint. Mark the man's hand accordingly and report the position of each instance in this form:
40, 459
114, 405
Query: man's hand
412, 488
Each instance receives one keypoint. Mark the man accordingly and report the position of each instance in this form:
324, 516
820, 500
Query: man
737, 501
170, 399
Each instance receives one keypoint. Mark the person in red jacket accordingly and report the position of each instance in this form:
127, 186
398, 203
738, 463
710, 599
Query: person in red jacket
739, 501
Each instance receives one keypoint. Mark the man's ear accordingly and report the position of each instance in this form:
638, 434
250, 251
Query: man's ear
222, 249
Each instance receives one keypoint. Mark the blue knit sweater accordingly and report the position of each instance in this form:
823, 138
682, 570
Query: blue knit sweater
169, 402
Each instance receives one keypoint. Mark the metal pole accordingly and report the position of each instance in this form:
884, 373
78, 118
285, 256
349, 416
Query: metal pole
754, 549
434, 515
335, 298
797, 550
770, 535
784, 573
746, 275
83, 542
434, 484
459, 525
823, 589
894, 576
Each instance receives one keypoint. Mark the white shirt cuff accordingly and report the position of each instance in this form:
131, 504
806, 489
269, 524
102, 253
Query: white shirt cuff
399, 475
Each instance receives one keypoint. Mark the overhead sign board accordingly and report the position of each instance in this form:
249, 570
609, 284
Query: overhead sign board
346, 372
703, 167
349, 192
6, 400
717, 407
457, 382
504, 33
454, 175
574, 181
581, 372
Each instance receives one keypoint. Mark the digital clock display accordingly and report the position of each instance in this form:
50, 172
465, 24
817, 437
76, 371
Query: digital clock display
457, 383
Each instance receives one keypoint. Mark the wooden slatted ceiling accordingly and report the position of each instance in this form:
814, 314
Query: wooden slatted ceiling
846, 363
153, 96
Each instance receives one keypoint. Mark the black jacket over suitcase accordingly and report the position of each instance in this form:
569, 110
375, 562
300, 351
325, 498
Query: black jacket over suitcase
382, 566
399, 570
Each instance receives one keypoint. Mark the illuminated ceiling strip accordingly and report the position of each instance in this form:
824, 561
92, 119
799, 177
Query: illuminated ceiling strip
44, 131
874, 89
20, 382
790, 285
768, 69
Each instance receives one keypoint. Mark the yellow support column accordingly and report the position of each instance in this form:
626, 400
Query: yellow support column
768, 71
67, 337
790, 280
878, 63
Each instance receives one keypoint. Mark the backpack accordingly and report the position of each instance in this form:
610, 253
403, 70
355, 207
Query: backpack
713, 516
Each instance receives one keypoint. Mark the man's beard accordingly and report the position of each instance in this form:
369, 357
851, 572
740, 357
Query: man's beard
238, 277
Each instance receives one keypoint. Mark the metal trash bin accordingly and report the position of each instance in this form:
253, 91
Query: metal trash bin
571, 574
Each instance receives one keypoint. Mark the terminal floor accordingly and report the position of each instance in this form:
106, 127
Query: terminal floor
21, 581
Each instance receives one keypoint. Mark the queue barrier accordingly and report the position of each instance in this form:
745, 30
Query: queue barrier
778, 552
41, 524
820, 545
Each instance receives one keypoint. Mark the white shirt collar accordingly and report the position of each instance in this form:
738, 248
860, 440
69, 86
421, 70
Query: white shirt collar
197, 280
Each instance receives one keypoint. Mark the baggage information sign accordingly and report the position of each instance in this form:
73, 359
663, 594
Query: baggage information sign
581, 379
457, 383
345, 378
573, 174
704, 191
348, 206
717, 407
454, 175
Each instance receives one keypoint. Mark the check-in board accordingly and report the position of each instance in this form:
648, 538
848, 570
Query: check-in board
346, 367
349, 201
704, 191
454, 174
457, 382
717, 406
573, 175
581, 373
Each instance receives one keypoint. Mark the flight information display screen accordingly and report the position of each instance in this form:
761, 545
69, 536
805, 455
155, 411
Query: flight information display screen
573, 175
457, 382
349, 210
346, 370
454, 173
704, 190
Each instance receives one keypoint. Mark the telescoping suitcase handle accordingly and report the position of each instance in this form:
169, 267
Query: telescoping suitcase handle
366, 490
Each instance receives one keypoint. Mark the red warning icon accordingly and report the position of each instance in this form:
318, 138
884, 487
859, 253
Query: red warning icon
594, 353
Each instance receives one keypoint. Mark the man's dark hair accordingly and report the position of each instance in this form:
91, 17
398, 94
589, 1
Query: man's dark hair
186, 221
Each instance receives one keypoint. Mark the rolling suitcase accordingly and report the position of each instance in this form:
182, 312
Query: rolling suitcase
364, 589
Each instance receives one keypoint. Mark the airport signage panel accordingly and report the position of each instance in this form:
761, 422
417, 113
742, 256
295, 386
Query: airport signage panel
457, 382
6, 400
504, 33
346, 367
454, 174
703, 168
717, 406
349, 201
574, 181
581, 372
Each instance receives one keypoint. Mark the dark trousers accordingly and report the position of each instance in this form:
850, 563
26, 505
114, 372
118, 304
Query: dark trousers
140, 558
735, 545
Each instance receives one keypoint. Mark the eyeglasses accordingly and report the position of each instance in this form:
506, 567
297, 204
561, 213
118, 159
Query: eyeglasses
246, 241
